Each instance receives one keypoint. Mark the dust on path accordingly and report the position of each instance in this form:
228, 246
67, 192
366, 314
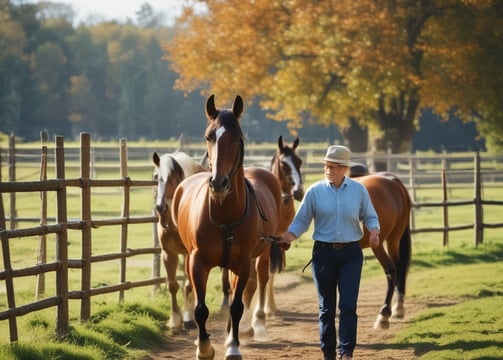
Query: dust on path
293, 331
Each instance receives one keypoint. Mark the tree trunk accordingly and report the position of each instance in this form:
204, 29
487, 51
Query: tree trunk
356, 137
395, 119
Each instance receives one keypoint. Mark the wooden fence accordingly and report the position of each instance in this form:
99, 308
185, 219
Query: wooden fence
87, 160
61, 228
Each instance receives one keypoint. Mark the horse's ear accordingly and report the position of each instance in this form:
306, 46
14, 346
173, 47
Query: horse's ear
280, 143
156, 159
211, 110
237, 106
295, 143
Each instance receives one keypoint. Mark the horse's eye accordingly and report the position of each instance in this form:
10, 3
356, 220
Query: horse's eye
210, 136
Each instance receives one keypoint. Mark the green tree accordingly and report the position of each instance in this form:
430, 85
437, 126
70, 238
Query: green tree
12, 40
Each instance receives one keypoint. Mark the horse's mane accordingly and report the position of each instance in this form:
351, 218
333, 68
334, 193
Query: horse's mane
187, 164
176, 166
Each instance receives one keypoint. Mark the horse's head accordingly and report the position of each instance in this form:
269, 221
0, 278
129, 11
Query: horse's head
286, 166
225, 145
168, 173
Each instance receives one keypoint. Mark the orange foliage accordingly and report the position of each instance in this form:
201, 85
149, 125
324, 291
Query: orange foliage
334, 59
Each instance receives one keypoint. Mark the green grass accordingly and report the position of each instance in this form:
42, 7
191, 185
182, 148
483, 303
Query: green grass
469, 330
126, 331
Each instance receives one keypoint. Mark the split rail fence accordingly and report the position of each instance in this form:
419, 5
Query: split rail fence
61, 225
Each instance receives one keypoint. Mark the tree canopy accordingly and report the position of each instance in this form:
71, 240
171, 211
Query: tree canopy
373, 64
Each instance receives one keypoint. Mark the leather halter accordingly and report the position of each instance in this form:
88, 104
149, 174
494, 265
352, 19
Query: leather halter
227, 228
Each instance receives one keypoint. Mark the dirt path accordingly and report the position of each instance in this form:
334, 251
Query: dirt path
293, 332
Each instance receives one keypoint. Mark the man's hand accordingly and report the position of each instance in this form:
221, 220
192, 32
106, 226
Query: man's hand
374, 238
286, 239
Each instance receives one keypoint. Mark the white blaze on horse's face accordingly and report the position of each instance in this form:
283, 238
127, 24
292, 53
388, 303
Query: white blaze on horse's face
218, 134
220, 185
160, 189
294, 173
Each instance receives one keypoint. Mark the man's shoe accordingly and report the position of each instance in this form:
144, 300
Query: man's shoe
346, 357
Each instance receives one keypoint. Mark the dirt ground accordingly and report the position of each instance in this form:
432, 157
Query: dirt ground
293, 331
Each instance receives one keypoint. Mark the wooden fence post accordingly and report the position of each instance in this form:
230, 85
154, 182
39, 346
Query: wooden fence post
42, 242
412, 189
445, 208
478, 223
85, 213
124, 215
12, 177
9, 283
61, 244
156, 266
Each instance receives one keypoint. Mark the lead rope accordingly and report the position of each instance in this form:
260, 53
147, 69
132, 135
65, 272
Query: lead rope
308, 263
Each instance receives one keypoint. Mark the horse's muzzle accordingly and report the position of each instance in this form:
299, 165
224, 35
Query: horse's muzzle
219, 188
298, 194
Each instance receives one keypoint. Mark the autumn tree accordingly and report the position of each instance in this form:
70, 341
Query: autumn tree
369, 64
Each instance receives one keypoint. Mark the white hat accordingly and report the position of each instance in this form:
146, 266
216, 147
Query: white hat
338, 154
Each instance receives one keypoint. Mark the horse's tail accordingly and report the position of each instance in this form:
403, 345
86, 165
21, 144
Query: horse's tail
403, 264
276, 256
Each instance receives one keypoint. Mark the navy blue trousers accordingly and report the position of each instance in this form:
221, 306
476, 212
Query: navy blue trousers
337, 270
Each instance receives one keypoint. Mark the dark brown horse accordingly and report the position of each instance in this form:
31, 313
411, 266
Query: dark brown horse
169, 171
393, 205
223, 218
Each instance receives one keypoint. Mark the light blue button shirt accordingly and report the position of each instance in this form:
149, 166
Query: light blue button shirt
337, 212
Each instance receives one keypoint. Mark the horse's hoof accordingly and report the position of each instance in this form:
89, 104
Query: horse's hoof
247, 334
189, 325
205, 350
261, 335
259, 331
233, 357
398, 311
381, 323
175, 321
233, 353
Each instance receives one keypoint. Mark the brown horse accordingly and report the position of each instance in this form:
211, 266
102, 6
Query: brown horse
285, 165
223, 218
169, 171
393, 206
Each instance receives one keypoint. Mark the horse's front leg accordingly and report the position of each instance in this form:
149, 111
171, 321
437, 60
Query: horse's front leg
382, 321
170, 261
226, 289
199, 275
270, 301
259, 318
246, 329
236, 312
188, 301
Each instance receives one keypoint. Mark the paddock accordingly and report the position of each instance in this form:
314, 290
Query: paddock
77, 197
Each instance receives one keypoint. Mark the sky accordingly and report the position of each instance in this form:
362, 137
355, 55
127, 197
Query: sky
120, 9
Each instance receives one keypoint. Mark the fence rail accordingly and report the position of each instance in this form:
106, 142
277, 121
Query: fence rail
410, 169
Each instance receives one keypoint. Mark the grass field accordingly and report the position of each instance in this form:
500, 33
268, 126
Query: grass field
467, 279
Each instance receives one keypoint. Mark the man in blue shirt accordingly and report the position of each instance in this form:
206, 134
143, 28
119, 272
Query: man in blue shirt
338, 205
